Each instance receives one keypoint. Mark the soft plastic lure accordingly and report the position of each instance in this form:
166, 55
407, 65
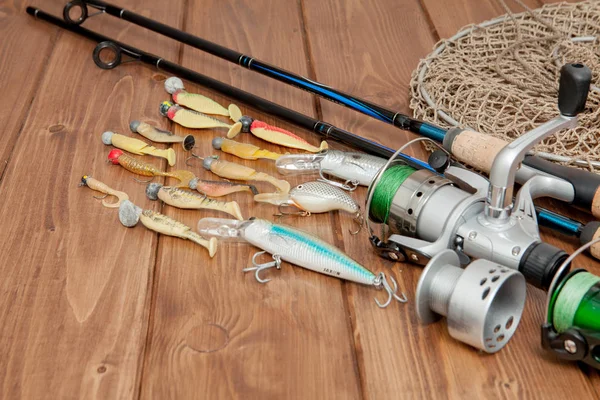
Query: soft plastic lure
195, 119
216, 188
230, 170
180, 198
117, 157
161, 136
275, 135
136, 146
95, 184
296, 247
355, 168
246, 151
313, 198
197, 102
130, 215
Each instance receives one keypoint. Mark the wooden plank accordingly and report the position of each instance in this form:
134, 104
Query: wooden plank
397, 357
22, 65
75, 283
216, 332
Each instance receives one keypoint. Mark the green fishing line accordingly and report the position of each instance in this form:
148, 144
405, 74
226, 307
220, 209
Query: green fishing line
388, 185
578, 303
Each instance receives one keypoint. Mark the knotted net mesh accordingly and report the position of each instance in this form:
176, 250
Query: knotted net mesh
501, 78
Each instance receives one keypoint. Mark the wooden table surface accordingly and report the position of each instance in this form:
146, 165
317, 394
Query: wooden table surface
90, 309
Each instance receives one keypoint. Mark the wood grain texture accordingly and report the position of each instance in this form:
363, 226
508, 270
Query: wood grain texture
74, 304
216, 332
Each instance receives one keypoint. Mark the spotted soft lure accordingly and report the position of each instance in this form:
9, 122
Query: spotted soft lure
161, 136
95, 184
117, 157
130, 214
275, 135
246, 151
180, 198
197, 102
195, 119
313, 198
354, 168
296, 247
136, 146
230, 170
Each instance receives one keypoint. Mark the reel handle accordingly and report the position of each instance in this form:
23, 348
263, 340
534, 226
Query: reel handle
574, 85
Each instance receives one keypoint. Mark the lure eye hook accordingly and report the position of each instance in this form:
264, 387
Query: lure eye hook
382, 281
282, 210
350, 185
359, 221
260, 267
192, 155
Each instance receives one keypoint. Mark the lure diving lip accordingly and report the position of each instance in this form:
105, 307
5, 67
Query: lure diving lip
194, 119
296, 247
161, 136
136, 146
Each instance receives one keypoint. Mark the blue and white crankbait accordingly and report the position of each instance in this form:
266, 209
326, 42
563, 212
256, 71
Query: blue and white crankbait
355, 168
296, 247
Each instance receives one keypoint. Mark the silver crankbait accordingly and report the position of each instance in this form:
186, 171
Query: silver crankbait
314, 198
355, 168
296, 247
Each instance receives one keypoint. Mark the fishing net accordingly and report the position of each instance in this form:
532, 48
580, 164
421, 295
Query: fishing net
501, 78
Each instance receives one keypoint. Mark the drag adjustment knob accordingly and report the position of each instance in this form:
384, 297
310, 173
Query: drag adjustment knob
573, 88
439, 161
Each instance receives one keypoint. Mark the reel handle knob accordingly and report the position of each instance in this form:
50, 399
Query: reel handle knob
573, 88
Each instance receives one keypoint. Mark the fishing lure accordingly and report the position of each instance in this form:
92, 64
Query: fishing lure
313, 198
117, 157
137, 146
355, 168
195, 119
230, 170
130, 214
197, 102
243, 150
215, 188
161, 136
296, 247
275, 135
180, 198
95, 184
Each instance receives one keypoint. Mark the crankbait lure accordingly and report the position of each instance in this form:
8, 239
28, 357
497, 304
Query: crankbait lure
136, 146
243, 150
180, 198
117, 157
355, 168
95, 184
296, 247
195, 119
161, 136
230, 170
130, 214
313, 198
275, 135
197, 102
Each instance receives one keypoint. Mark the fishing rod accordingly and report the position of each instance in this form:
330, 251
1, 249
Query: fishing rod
546, 218
468, 146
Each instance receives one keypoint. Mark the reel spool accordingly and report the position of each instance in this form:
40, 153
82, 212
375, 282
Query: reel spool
483, 303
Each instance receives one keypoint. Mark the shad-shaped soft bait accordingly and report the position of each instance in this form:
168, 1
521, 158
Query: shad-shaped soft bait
215, 188
246, 151
161, 136
137, 146
275, 135
130, 214
313, 198
230, 170
95, 184
180, 198
355, 168
117, 157
296, 247
195, 119
197, 102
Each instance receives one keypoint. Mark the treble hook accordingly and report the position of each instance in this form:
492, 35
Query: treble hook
358, 220
350, 184
260, 267
382, 281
